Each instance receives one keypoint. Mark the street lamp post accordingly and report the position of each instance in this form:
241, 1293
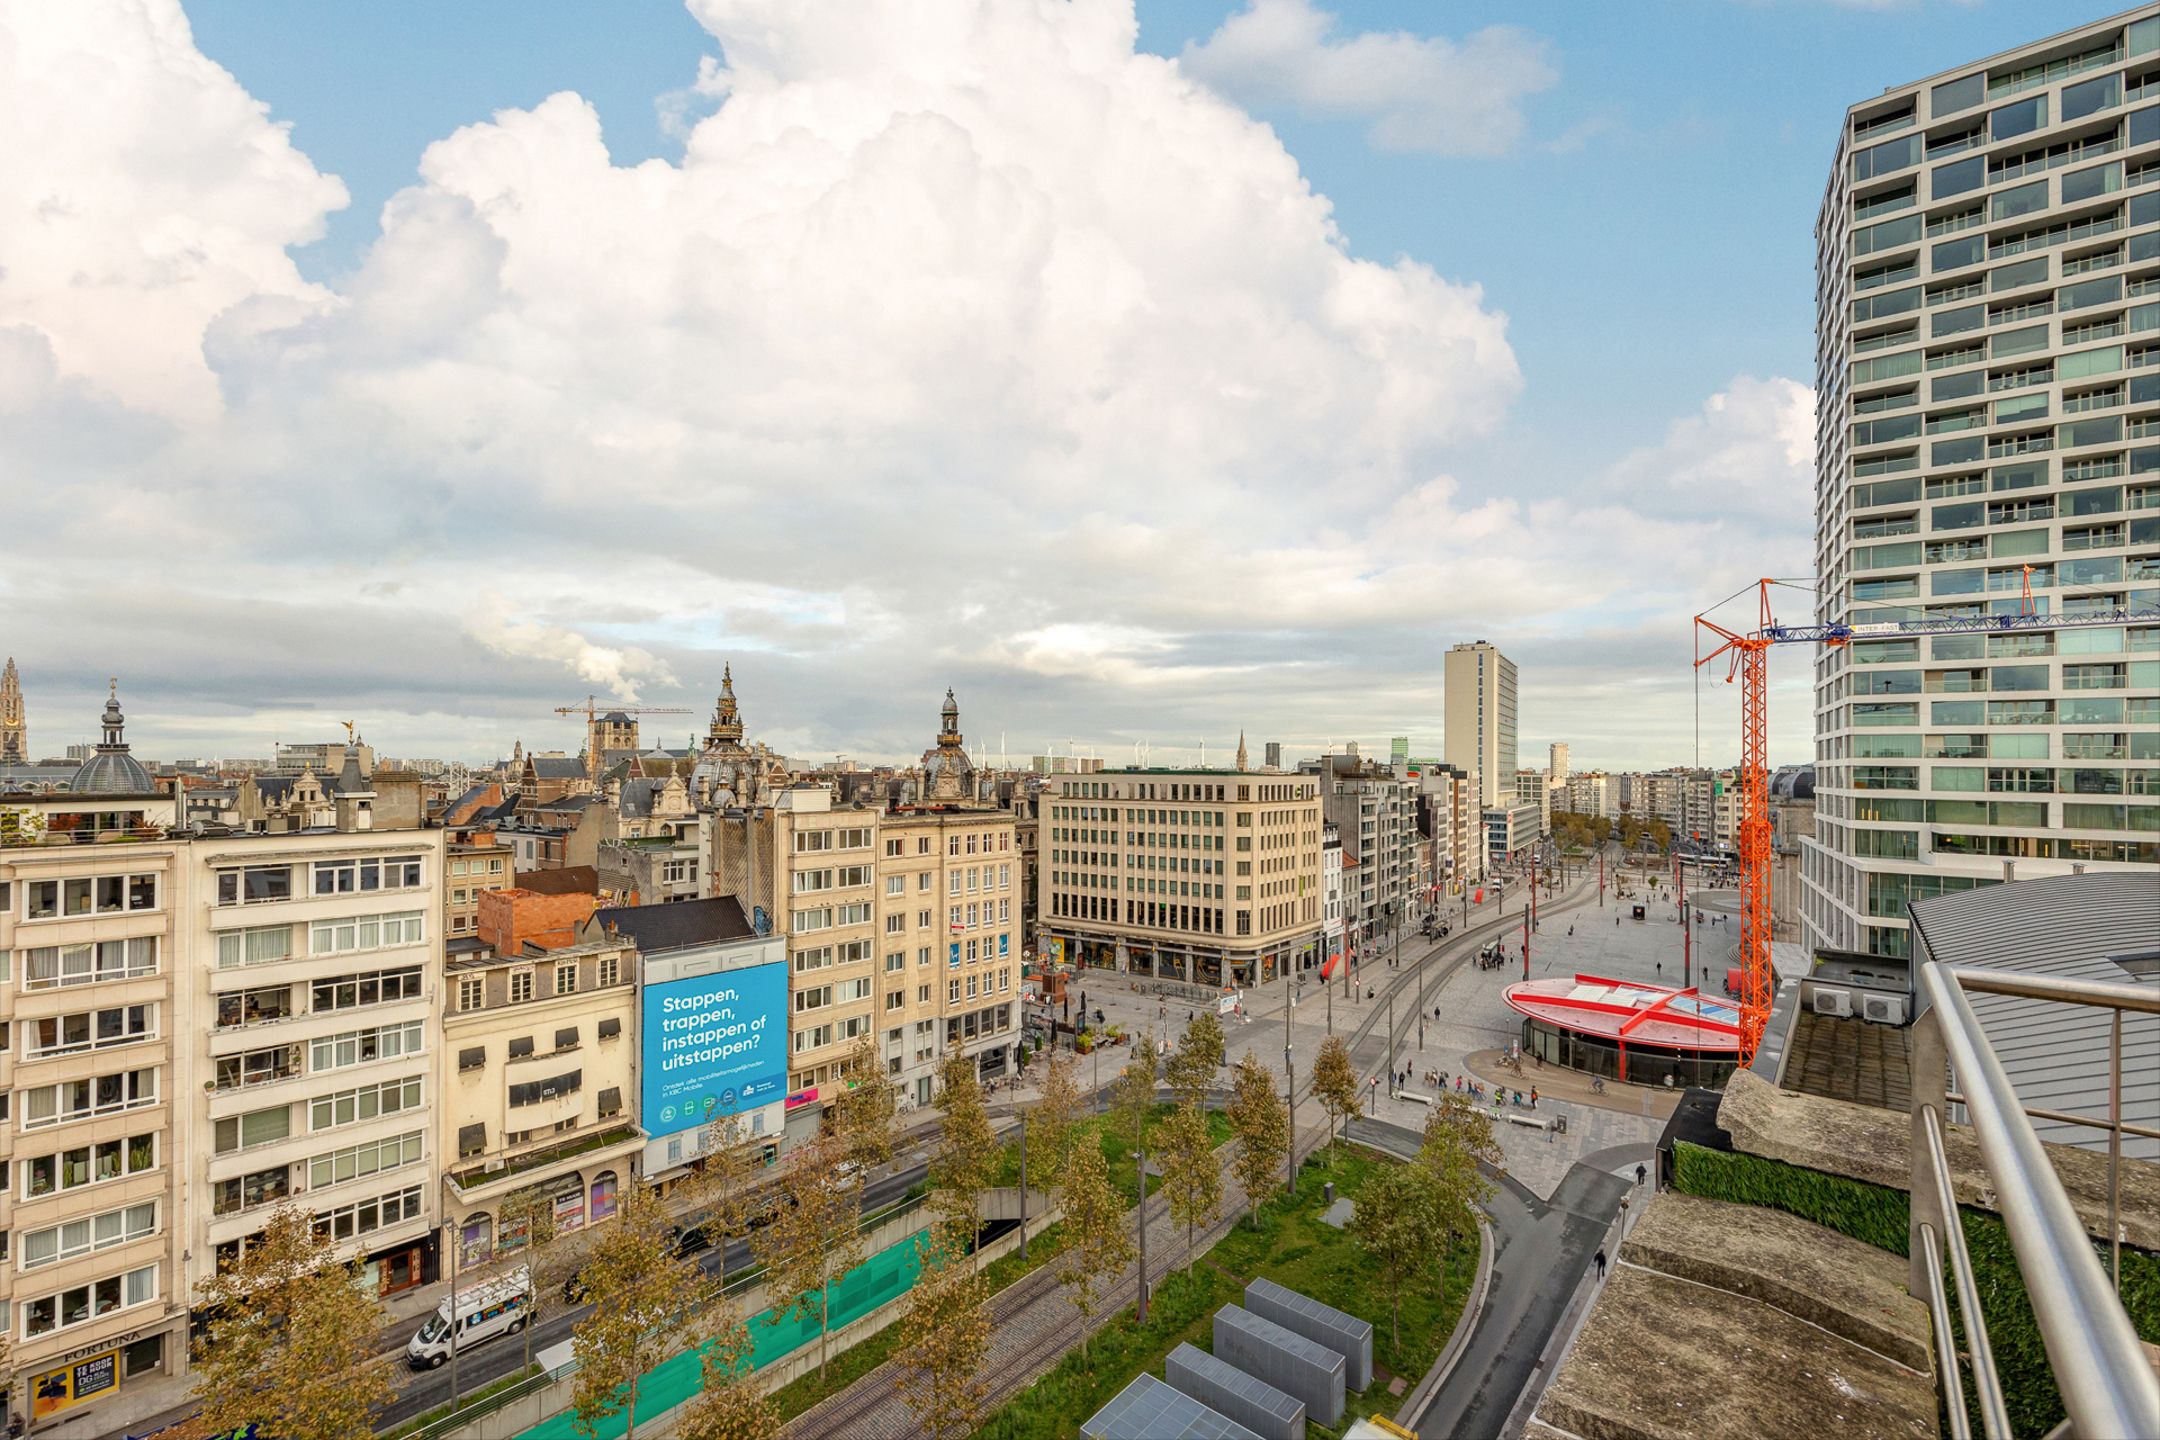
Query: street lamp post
1289, 999
1140, 1160
1023, 1190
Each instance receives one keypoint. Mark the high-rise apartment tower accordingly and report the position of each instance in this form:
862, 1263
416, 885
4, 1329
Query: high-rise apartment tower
1480, 719
1988, 414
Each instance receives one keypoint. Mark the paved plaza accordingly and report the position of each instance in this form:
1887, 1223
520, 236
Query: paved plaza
1459, 1024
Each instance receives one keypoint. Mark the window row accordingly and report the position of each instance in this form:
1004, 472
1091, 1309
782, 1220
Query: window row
89, 895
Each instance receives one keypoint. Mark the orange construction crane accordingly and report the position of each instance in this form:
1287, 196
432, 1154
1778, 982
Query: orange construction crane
1750, 652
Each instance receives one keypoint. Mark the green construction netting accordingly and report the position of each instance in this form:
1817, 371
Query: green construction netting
885, 1276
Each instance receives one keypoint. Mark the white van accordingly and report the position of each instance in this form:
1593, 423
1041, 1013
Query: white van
500, 1306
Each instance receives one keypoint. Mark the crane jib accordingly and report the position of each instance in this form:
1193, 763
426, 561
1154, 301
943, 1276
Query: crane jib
1952, 625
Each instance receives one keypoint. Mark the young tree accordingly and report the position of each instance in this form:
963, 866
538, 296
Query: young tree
814, 1241
948, 1337
641, 1292
1199, 1055
1399, 1224
291, 1340
1097, 1247
1051, 1123
1262, 1127
1458, 1135
1132, 1094
867, 1106
1192, 1176
1335, 1085
731, 1402
967, 1153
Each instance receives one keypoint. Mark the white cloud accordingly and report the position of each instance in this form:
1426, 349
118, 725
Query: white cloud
1749, 451
964, 345
143, 193
619, 669
1456, 97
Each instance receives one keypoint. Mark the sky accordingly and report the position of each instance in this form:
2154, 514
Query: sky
1145, 374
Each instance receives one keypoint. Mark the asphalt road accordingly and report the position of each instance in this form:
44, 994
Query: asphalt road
488, 1362
1540, 1251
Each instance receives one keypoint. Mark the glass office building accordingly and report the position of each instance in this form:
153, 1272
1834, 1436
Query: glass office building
1988, 420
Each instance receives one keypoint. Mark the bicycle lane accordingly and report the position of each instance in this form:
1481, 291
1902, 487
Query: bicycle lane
1540, 1252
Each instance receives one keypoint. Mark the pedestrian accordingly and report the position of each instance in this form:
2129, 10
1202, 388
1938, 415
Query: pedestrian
1600, 1258
1639, 1174
1533, 1097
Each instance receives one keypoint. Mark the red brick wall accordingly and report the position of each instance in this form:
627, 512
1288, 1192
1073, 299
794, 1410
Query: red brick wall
512, 919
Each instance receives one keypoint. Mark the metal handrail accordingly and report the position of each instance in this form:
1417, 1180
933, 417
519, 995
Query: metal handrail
2107, 1385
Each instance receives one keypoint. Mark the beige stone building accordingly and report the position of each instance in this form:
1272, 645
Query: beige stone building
1206, 876
481, 862
538, 1088
92, 900
902, 922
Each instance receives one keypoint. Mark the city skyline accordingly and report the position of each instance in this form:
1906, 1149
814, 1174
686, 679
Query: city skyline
268, 430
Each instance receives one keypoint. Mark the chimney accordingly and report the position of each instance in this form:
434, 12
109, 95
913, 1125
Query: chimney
2009, 871
2078, 868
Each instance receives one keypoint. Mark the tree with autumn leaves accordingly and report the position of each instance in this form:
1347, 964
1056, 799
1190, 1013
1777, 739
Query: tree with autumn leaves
291, 1340
643, 1294
1335, 1085
1261, 1123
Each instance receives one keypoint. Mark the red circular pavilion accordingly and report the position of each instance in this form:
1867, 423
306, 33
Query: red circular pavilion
1628, 1030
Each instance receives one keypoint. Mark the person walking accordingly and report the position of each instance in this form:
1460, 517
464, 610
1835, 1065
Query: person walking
1533, 1097
1600, 1258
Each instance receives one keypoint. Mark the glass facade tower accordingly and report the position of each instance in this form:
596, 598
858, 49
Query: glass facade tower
1988, 420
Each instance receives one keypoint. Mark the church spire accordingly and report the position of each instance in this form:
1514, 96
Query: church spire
727, 727
1241, 749
14, 731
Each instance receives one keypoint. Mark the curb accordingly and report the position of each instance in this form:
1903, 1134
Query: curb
1414, 1406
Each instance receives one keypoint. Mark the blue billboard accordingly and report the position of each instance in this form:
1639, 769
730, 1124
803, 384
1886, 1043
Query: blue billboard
712, 1046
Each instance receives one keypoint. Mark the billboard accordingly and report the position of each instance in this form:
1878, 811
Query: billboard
711, 1046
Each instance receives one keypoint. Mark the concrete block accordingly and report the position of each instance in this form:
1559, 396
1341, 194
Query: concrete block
1284, 1359
1346, 1335
1221, 1386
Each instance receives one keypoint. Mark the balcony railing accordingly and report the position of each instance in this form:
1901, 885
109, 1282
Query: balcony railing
2107, 1384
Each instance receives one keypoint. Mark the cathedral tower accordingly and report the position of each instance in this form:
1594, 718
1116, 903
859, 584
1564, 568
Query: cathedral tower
14, 728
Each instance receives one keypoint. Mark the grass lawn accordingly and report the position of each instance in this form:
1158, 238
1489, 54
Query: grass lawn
1292, 1246
1115, 1156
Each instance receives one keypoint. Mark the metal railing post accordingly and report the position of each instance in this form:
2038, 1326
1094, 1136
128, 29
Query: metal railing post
2107, 1384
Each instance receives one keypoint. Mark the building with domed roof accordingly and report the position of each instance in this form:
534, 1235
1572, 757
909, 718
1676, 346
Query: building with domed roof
111, 770
948, 776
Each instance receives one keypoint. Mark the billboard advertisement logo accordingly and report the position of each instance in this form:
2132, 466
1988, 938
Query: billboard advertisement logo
713, 1045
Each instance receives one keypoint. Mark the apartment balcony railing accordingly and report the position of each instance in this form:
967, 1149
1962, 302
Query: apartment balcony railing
2107, 1384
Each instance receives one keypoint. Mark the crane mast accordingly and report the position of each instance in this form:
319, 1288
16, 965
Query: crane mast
1749, 652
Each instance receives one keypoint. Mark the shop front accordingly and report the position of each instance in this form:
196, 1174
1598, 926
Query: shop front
92, 1372
399, 1267
569, 1203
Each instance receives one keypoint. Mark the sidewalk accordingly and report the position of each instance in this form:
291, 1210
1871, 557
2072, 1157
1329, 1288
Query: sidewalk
146, 1406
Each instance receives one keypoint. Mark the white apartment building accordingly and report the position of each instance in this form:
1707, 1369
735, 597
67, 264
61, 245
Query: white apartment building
1374, 809
1479, 733
313, 1068
1532, 788
1988, 305
93, 901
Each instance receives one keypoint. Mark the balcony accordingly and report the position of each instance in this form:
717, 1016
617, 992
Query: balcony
505, 1173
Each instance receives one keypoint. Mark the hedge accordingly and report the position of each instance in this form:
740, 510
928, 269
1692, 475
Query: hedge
1882, 1217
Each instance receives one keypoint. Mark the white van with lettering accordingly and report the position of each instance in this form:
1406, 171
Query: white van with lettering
500, 1306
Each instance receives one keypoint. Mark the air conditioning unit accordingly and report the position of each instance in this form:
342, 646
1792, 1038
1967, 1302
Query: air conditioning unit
1883, 1009
1832, 1002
